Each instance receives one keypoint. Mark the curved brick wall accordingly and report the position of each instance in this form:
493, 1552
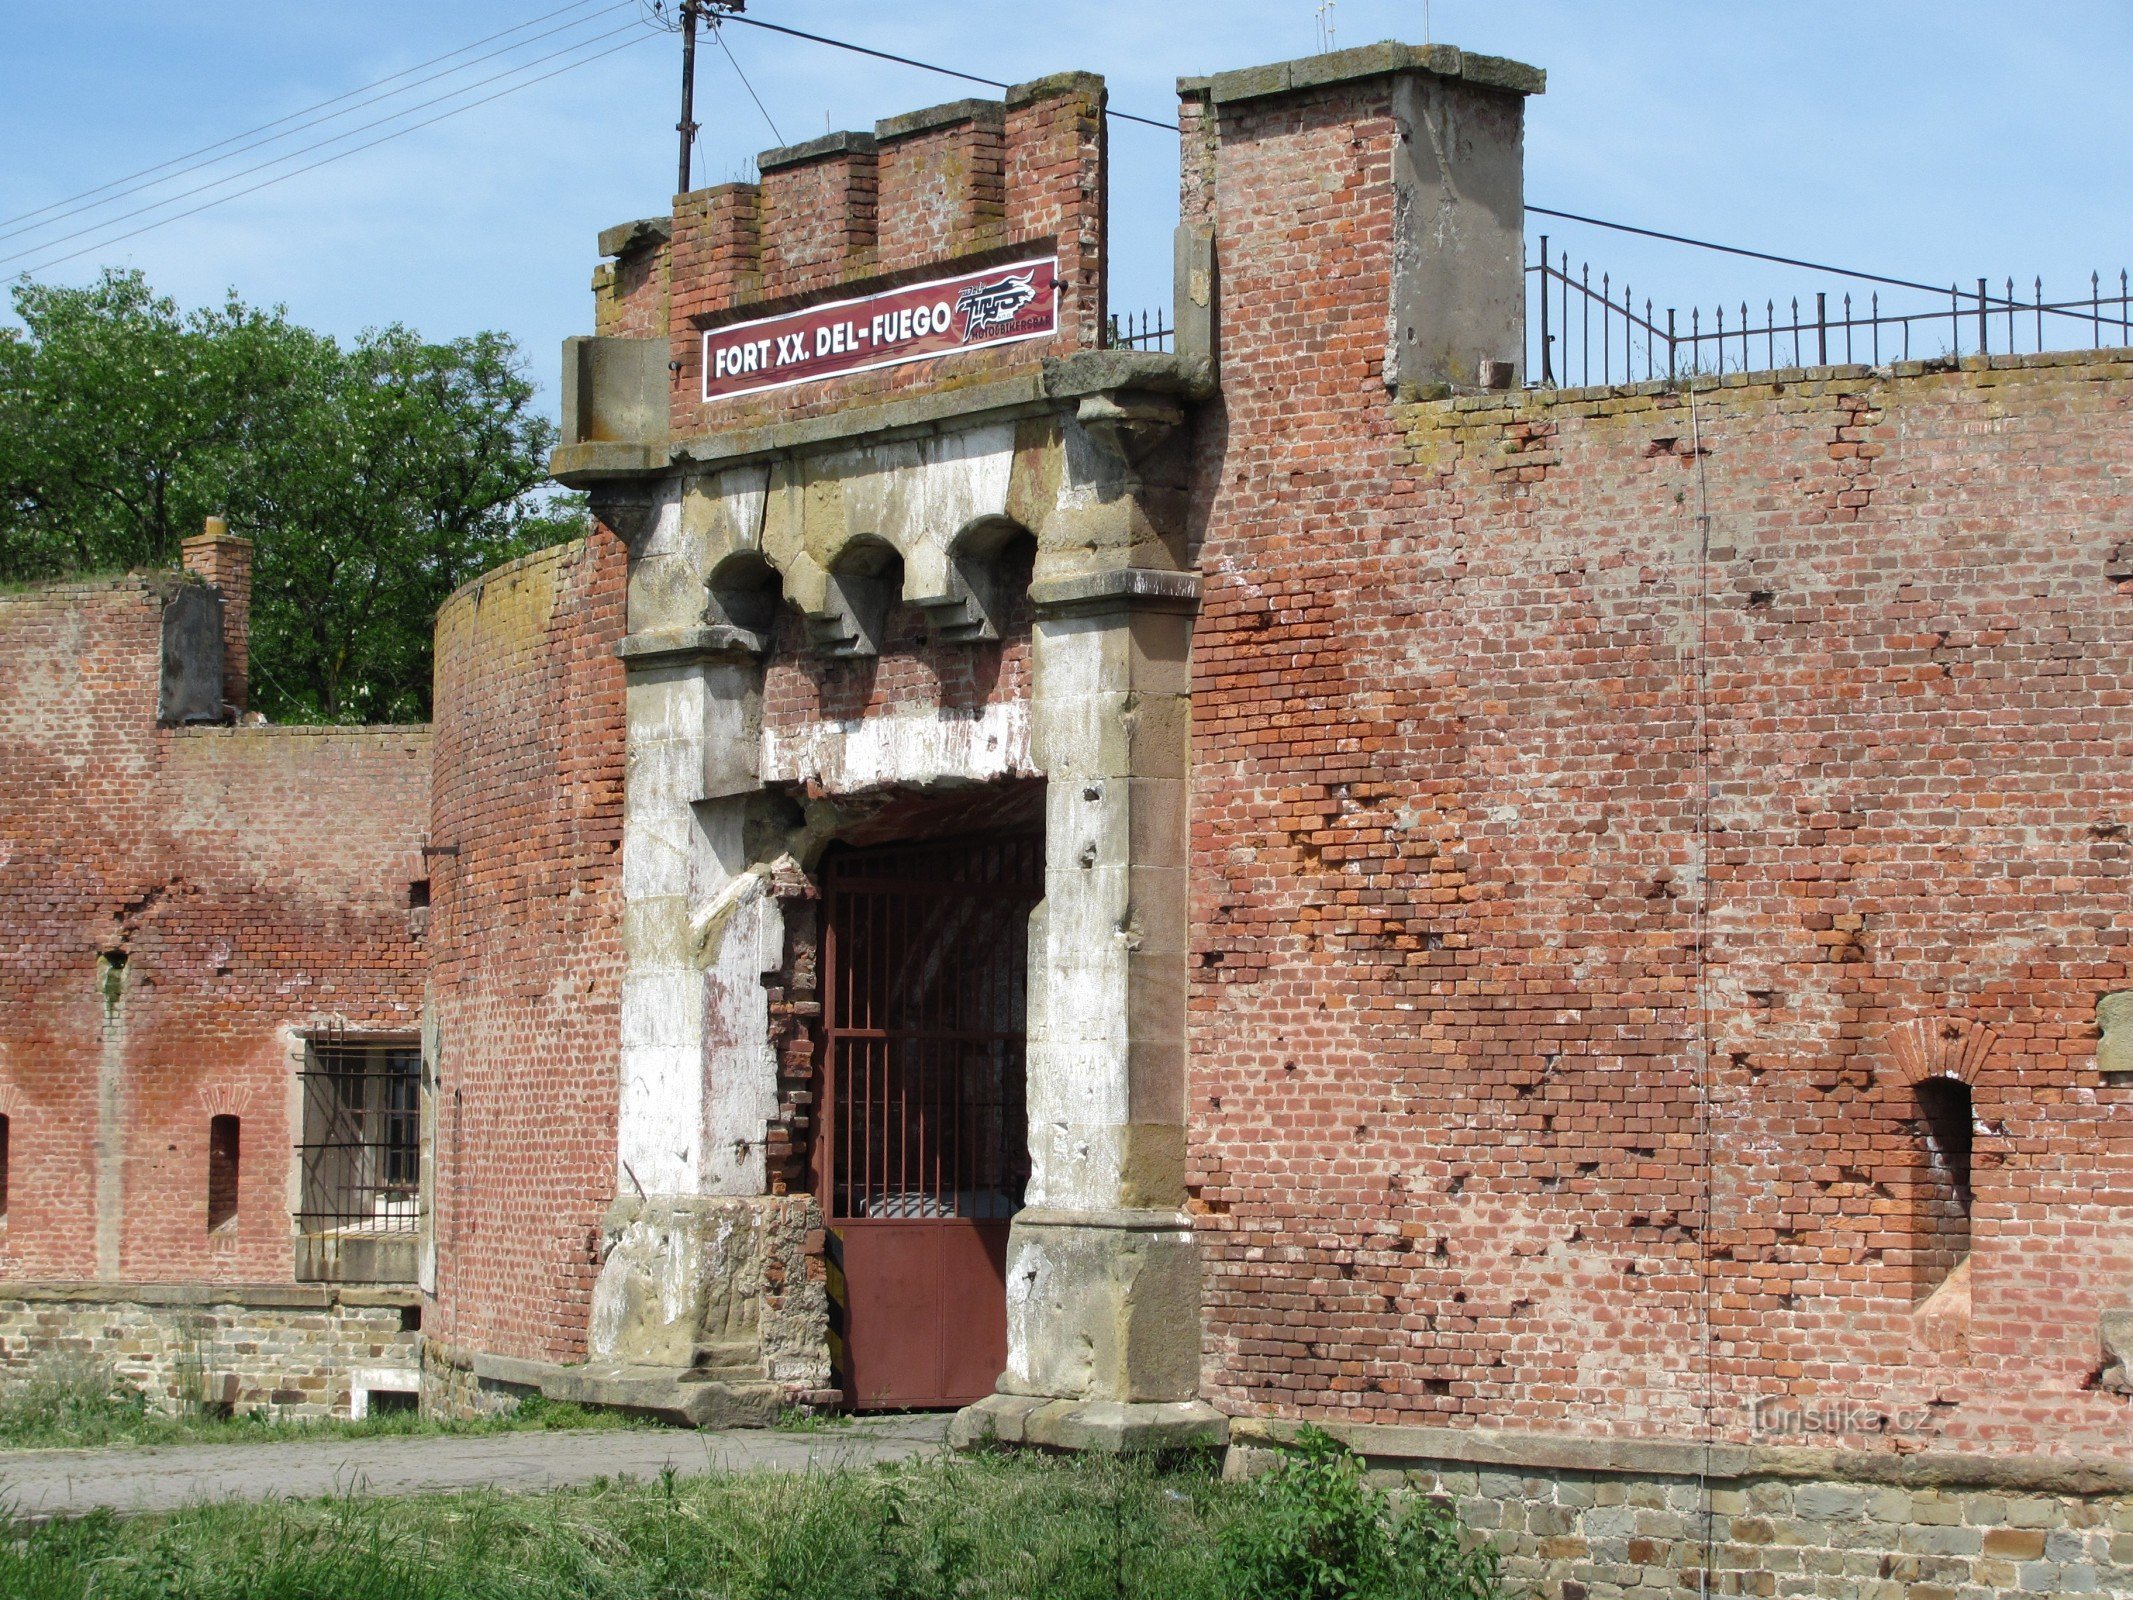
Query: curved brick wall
526, 946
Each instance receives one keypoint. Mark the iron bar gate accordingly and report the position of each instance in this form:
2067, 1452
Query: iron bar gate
921, 1150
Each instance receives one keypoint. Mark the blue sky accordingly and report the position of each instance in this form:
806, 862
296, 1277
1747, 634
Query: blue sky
1938, 141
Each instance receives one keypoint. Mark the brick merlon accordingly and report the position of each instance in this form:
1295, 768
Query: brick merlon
841, 143
989, 112
1365, 61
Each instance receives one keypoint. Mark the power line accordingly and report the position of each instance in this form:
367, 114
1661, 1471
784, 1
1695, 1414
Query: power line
72, 201
282, 177
745, 84
923, 66
633, 27
1736, 250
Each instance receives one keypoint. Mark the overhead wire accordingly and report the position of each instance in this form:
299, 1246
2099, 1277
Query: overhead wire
745, 84
639, 36
923, 66
73, 204
656, 23
634, 28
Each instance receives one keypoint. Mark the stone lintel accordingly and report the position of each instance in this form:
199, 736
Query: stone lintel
624, 237
1127, 589
682, 647
1121, 1220
1393, 1444
842, 143
1366, 61
986, 113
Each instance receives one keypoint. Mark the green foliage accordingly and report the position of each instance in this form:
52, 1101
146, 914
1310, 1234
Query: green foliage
939, 1530
75, 1402
373, 479
1004, 1526
1315, 1528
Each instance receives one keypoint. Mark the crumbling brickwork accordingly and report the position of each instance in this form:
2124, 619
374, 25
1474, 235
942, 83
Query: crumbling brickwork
524, 989
1581, 888
178, 908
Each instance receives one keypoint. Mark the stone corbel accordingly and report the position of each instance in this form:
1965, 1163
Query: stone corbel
724, 700
1130, 423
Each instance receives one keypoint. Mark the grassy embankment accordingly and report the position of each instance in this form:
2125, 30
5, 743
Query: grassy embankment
956, 1528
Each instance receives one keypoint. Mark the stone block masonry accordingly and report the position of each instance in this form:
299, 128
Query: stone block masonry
287, 1350
1591, 1521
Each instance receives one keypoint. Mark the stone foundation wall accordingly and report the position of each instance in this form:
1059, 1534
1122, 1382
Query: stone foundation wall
295, 1351
1608, 1520
452, 1388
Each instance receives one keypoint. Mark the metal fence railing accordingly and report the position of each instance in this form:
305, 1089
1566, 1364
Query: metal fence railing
1138, 330
1583, 333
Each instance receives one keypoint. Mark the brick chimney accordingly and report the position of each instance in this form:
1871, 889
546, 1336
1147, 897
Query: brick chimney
225, 561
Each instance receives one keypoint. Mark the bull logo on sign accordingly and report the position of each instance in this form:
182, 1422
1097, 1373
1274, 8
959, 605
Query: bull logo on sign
986, 306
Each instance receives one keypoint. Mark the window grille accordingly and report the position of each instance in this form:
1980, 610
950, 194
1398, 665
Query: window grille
361, 1155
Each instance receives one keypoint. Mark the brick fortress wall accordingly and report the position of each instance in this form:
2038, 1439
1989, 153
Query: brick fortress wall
526, 947
1482, 718
176, 906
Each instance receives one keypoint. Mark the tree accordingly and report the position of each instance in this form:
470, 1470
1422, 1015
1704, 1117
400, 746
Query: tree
373, 479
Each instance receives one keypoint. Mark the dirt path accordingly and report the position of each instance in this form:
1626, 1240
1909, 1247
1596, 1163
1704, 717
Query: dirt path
57, 1483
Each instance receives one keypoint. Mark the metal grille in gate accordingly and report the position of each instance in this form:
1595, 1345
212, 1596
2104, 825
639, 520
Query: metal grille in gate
926, 954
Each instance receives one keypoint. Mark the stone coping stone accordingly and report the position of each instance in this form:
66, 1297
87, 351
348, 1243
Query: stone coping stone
681, 647
252, 1296
1489, 1447
624, 237
1052, 85
844, 142
1365, 61
1050, 1423
989, 113
1025, 394
673, 1395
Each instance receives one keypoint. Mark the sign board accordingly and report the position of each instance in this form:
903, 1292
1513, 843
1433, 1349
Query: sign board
997, 306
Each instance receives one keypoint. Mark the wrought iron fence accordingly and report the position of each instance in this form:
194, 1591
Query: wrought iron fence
1584, 333
1138, 330
361, 1156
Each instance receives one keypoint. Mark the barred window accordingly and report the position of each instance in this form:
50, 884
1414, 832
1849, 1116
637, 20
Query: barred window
362, 1152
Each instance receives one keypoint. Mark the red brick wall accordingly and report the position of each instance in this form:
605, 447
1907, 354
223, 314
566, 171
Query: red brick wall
255, 880
1456, 805
802, 688
819, 222
526, 946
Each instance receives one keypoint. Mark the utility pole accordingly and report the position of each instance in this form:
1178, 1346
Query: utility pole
691, 10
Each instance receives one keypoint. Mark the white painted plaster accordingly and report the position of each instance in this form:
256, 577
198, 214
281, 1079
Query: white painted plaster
908, 747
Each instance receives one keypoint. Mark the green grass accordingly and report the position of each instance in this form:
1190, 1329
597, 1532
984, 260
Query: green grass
72, 1404
958, 1528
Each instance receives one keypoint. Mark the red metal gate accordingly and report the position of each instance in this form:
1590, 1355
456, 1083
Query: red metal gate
921, 1149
